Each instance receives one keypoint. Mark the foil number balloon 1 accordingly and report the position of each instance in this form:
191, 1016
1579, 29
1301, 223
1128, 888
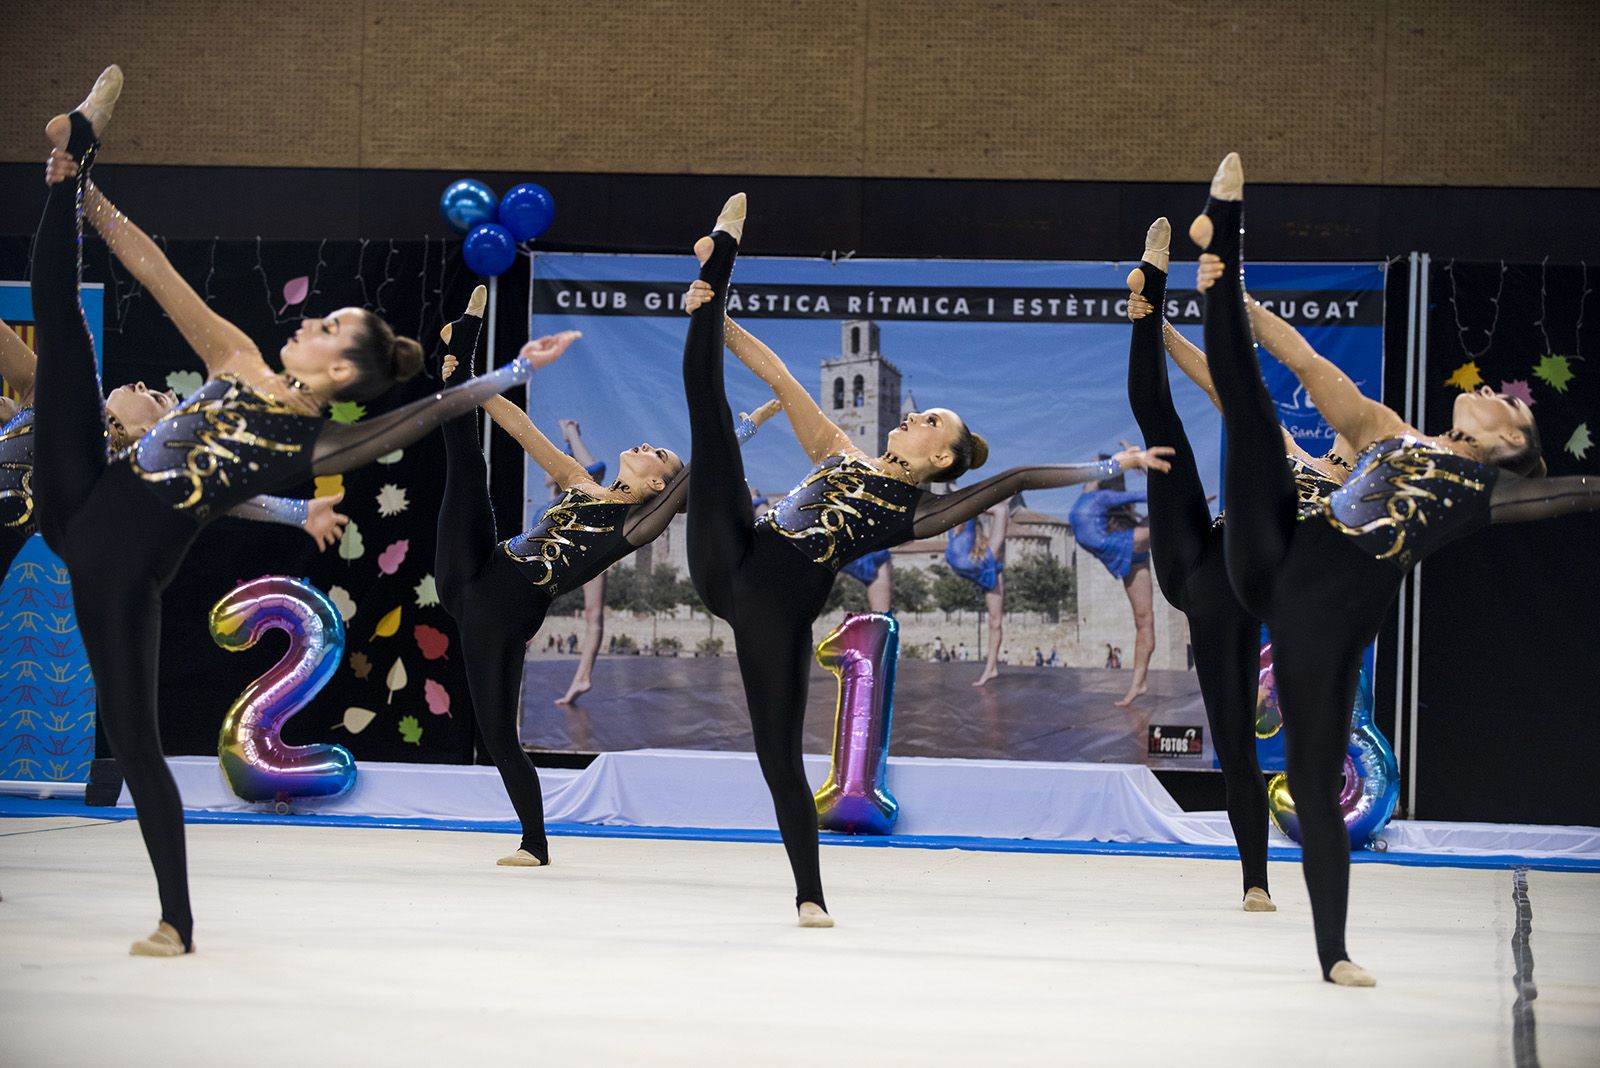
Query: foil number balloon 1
861, 652
1371, 775
255, 760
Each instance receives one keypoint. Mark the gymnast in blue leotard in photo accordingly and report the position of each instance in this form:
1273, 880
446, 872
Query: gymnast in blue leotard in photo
1107, 528
979, 556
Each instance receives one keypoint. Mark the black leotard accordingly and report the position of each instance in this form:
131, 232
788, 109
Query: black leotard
499, 592
769, 580
1322, 586
123, 536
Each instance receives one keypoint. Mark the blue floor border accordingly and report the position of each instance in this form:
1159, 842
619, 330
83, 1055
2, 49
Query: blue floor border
12, 807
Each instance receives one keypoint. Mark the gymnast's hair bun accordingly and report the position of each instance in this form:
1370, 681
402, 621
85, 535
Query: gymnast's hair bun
406, 357
980, 451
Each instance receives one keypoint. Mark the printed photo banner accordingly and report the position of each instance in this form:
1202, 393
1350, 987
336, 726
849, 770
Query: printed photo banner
1034, 357
46, 690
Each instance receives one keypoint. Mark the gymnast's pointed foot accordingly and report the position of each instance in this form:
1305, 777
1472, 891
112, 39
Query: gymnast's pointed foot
163, 942
730, 222
988, 674
1348, 973
1227, 188
814, 915
96, 107
1258, 900
520, 859
578, 688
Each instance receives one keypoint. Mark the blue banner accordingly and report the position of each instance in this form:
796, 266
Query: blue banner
46, 690
1034, 358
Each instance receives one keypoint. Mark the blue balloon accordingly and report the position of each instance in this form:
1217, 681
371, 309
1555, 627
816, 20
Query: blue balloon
526, 210
465, 203
489, 250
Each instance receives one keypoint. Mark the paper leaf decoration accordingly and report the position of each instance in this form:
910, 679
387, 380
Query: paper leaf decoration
396, 680
1555, 371
388, 624
392, 500
1466, 376
390, 560
357, 720
391, 457
427, 592
351, 547
437, 696
329, 485
184, 383
411, 730
343, 602
346, 412
361, 665
294, 292
433, 643
1580, 441
1519, 388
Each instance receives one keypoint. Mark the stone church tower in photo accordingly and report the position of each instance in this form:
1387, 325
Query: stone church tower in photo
861, 389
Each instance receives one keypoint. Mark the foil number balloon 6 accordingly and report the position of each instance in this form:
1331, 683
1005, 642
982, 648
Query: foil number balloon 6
1371, 775
255, 760
862, 652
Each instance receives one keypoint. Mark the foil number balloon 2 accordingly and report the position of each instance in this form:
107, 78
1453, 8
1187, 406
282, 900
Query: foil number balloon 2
1371, 775
861, 652
255, 760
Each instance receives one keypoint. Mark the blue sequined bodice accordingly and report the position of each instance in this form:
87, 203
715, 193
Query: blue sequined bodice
576, 538
223, 445
844, 509
1408, 497
16, 473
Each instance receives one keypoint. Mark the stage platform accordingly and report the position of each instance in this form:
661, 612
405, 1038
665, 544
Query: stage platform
987, 804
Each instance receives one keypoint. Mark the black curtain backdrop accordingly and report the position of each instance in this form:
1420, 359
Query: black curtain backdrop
1510, 679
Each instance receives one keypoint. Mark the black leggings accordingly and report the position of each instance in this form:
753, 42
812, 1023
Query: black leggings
765, 589
1187, 555
1321, 598
497, 613
122, 544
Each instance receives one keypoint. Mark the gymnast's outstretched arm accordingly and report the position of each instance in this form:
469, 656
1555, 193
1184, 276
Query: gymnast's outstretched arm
220, 345
818, 435
935, 515
1352, 414
1525, 500
316, 516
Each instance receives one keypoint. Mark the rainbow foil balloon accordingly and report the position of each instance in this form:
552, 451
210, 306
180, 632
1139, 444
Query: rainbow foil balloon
1371, 779
862, 652
255, 760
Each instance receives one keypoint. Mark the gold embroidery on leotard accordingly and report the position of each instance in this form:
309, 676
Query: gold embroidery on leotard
840, 503
566, 517
1413, 466
23, 490
223, 431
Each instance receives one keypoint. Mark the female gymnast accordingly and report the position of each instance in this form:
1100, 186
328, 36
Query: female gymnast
1186, 546
129, 411
1322, 586
1105, 526
770, 580
875, 571
123, 524
981, 560
499, 592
